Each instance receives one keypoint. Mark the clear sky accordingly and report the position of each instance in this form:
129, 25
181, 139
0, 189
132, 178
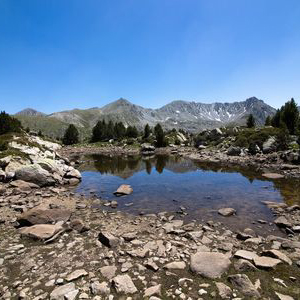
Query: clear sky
62, 54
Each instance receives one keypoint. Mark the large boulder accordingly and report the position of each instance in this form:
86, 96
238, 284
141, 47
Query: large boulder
36, 174
209, 264
234, 151
51, 166
43, 216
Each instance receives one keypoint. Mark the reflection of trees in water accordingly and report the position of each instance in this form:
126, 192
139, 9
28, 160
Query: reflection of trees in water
126, 166
116, 165
288, 188
161, 161
148, 166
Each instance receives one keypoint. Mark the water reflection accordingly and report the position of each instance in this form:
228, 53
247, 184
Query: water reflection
164, 183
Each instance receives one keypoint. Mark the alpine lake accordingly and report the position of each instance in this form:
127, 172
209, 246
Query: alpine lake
193, 190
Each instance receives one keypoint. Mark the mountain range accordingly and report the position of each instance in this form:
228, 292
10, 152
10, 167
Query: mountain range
190, 116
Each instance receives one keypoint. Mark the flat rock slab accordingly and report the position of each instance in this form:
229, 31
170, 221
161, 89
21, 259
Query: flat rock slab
76, 274
175, 265
209, 264
62, 292
124, 189
277, 254
41, 231
265, 262
273, 175
124, 284
226, 212
43, 216
244, 254
283, 297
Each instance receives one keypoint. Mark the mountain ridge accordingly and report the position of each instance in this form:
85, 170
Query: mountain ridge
188, 115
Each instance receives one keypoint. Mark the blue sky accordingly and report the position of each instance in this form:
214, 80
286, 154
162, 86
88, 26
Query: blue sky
62, 54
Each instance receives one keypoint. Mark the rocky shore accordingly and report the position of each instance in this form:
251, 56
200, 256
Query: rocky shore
56, 245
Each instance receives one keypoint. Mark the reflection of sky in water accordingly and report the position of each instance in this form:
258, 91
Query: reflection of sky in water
181, 183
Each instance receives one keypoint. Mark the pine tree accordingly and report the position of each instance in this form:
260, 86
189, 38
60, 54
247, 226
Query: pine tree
276, 120
147, 131
110, 134
160, 136
290, 116
250, 121
132, 132
9, 124
98, 132
119, 130
71, 136
268, 121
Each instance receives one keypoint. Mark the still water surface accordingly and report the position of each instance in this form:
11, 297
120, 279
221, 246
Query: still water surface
165, 183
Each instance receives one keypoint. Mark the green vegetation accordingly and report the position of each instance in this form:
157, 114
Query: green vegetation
250, 137
9, 124
250, 121
287, 117
268, 121
71, 136
147, 131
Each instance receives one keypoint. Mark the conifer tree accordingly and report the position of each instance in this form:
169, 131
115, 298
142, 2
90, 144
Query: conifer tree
250, 121
71, 135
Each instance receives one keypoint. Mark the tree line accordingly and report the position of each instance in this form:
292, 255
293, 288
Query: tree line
286, 118
105, 131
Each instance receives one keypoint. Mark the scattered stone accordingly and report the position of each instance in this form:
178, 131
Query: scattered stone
279, 255
209, 264
282, 222
108, 271
244, 285
153, 291
108, 240
124, 284
225, 291
265, 262
61, 292
175, 265
283, 297
76, 274
245, 254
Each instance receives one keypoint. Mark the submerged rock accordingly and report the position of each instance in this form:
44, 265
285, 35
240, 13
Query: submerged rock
226, 212
124, 189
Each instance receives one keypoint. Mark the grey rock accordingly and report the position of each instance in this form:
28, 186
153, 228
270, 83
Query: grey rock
60, 292
226, 212
209, 264
244, 285
124, 284
108, 240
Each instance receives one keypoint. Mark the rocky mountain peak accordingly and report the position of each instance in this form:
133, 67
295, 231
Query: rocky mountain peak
30, 112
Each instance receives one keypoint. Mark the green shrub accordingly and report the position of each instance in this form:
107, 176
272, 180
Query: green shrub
3, 145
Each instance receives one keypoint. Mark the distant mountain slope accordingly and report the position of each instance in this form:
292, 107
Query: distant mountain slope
29, 112
191, 116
